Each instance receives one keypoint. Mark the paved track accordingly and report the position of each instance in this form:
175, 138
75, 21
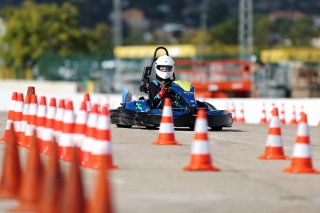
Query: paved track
151, 179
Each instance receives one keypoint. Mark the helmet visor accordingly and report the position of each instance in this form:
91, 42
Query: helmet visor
164, 68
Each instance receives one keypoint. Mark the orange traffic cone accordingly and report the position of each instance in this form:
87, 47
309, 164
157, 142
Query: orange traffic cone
32, 119
10, 117
282, 115
102, 199
47, 136
300, 113
101, 151
52, 182
233, 112
240, 119
87, 100
80, 126
57, 126
301, 161
227, 107
31, 184
10, 176
90, 134
17, 117
41, 119
274, 146
73, 195
24, 119
293, 120
200, 151
166, 129
263, 119
31, 91
66, 144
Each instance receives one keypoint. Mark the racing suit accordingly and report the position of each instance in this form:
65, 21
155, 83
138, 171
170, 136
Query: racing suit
156, 90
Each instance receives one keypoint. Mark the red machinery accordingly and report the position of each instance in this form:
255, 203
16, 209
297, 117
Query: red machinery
216, 78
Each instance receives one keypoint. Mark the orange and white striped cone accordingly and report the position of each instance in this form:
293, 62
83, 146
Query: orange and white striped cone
80, 127
108, 101
25, 118
300, 113
90, 134
87, 99
274, 146
10, 115
200, 152
41, 119
66, 144
233, 112
273, 105
263, 119
240, 119
101, 152
47, 136
166, 129
301, 161
17, 117
282, 115
293, 120
57, 126
227, 107
31, 125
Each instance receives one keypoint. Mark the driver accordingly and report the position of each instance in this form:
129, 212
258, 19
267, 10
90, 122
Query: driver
164, 67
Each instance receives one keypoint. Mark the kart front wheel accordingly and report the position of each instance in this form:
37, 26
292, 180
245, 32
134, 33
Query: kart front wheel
151, 127
216, 128
124, 126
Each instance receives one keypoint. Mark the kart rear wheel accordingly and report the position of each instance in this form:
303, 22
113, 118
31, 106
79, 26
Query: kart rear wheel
216, 128
124, 126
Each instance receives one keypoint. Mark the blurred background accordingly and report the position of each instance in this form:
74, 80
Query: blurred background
226, 48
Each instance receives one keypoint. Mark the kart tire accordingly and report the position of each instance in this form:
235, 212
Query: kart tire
124, 126
151, 127
191, 127
216, 128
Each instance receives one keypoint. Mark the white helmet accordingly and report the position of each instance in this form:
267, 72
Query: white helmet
164, 66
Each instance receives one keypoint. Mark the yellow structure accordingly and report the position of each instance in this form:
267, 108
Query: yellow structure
290, 54
146, 51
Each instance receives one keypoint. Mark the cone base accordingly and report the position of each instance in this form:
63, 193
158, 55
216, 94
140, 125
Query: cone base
4, 194
174, 143
97, 161
301, 170
25, 208
201, 168
301, 165
273, 157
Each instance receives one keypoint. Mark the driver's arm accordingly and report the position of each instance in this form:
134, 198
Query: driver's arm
154, 98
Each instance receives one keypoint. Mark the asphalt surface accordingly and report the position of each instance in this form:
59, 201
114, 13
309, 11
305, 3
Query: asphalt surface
150, 178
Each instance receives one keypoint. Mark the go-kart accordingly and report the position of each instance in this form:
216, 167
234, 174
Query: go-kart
141, 113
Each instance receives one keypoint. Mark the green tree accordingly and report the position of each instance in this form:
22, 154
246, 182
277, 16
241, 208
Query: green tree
302, 31
262, 32
99, 39
34, 29
226, 32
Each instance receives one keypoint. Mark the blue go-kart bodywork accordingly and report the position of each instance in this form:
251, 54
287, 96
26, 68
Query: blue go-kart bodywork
184, 106
184, 109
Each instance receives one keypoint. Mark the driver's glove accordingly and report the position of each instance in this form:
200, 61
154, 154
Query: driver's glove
162, 92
